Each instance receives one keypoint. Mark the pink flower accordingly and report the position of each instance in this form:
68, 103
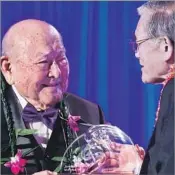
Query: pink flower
17, 163
72, 122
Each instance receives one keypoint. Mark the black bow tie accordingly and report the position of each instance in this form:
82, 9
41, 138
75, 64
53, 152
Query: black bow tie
48, 117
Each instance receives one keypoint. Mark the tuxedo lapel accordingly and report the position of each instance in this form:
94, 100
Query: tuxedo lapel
25, 143
16, 109
56, 146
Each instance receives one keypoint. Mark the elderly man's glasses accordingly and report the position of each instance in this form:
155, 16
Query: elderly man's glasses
136, 44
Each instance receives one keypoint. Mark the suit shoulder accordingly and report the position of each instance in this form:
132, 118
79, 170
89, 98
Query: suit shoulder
169, 87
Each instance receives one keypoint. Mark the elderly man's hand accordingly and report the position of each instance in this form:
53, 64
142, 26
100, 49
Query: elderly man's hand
46, 172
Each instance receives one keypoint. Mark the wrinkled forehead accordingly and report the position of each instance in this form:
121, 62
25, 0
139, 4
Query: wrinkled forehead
46, 48
36, 44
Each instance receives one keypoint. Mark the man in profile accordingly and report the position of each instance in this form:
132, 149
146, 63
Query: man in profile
155, 36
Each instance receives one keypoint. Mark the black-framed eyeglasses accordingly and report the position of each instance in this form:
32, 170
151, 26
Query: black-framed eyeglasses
137, 43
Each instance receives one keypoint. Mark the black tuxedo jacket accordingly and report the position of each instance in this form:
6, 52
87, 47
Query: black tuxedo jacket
159, 158
40, 159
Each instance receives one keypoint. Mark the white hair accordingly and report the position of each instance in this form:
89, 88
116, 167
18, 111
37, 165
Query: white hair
162, 18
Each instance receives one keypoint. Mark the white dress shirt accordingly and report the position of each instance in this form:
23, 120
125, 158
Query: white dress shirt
43, 132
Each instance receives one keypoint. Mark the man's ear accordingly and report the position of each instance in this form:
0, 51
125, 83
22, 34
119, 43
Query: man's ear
6, 69
167, 48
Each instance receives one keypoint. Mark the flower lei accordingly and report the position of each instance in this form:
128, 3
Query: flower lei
169, 77
16, 164
69, 125
70, 128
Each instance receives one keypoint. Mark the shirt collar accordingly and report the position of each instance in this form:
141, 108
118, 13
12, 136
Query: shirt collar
21, 99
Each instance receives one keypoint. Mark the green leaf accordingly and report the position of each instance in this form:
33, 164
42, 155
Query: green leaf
58, 168
24, 132
29, 151
77, 150
59, 159
3, 160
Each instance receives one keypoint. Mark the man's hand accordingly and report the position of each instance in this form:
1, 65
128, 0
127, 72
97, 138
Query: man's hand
121, 160
46, 172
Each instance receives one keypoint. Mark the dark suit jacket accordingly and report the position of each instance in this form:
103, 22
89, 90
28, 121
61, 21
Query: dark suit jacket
159, 157
40, 159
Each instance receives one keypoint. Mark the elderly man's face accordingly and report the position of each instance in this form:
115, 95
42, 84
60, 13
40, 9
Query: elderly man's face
40, 71
149, 54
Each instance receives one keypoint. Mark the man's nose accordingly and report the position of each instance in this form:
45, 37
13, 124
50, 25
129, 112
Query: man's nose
54, 70
137, 55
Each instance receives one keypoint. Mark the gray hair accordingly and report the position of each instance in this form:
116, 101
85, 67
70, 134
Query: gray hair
162, 18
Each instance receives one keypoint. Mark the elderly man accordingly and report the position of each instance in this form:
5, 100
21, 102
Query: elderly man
35, 73
155, 36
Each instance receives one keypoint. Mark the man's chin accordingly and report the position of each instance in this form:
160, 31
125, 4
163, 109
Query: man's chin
146, 79
51, 99
151, 80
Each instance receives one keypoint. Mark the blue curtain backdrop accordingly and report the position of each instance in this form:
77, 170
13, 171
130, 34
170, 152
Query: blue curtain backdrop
103, 66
